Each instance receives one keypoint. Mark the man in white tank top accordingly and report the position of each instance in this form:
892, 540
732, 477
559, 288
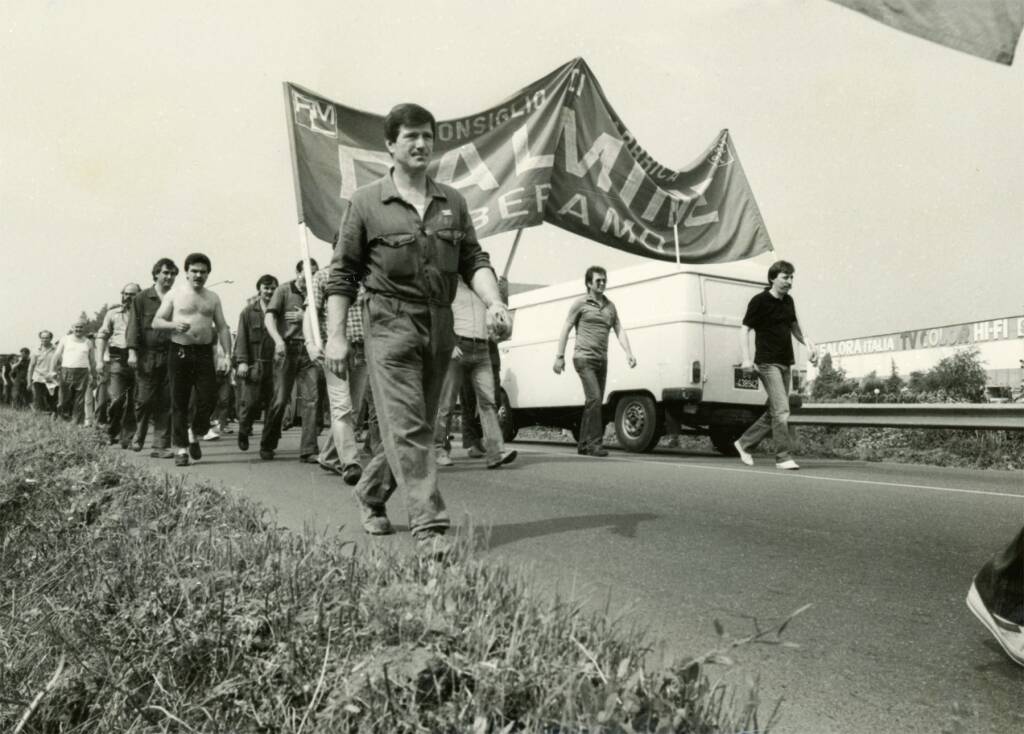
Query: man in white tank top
76, 364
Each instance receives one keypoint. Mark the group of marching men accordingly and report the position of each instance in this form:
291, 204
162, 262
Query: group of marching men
120, 378
409, 306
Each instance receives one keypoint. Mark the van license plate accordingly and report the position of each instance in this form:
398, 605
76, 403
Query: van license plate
744, 380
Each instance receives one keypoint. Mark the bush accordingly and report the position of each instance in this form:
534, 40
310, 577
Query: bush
938, 447
134, 602
959, 378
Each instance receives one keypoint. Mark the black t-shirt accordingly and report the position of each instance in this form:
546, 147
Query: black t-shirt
772, 320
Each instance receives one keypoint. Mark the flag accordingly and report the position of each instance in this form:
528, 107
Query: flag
986, 28
553, 152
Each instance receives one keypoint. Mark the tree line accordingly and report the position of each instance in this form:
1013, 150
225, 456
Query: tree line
959, 378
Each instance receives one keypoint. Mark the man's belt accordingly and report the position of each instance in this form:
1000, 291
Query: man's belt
472, 339
424, 300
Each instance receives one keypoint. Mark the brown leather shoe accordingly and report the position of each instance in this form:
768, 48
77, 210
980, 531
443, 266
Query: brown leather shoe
351, 474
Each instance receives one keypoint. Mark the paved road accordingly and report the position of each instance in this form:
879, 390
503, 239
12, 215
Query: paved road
885, 553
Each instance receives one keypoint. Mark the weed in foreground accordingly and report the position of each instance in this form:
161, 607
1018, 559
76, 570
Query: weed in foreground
134, 602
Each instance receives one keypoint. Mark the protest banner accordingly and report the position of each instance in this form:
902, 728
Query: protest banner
553, 152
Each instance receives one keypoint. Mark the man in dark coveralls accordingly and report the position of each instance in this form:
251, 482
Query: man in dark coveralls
409, 239
147, 356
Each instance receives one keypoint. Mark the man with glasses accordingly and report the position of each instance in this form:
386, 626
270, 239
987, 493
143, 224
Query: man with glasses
112, 350
593, 316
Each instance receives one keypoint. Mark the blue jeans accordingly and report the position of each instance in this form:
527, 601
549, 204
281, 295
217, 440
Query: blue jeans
775, 419
472, 432
475, 363
593, 374
296, 367
346, 399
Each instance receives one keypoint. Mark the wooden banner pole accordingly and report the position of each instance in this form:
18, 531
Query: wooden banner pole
512, 254
307, 270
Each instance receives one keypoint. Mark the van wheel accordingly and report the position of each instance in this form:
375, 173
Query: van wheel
506, 420
723, 438
636, 423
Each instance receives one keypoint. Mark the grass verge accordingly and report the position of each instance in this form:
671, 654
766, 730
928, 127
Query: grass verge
969, 449
132, 602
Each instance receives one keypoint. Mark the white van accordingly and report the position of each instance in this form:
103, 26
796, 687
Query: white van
683, 324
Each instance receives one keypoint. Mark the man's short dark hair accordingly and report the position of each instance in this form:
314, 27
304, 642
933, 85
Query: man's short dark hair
591, 271
298, 265
164, 262
407, 114
45, 331
200, 259
267, 278
25, 350
780, 266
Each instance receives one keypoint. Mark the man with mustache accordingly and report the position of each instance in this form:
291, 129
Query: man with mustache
409, 239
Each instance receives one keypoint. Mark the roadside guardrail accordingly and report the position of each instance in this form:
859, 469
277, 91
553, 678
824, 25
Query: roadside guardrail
984, 416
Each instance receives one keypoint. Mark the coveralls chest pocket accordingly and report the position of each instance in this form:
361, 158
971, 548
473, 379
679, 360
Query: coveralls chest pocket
447, 243
398, 254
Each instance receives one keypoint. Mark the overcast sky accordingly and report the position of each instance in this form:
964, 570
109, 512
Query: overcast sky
890, 170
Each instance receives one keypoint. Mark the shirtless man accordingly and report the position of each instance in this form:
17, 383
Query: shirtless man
192, 313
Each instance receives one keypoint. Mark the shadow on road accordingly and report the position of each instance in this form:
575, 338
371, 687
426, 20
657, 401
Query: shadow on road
498, 535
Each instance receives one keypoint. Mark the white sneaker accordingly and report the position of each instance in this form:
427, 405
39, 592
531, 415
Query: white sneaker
443, 459
745, 457
507, 457
212, 435
1009, 635
788, 464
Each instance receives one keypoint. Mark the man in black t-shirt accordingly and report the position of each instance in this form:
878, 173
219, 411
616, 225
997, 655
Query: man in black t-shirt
771, 315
